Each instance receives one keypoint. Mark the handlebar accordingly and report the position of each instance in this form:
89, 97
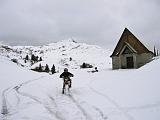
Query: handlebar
67, 76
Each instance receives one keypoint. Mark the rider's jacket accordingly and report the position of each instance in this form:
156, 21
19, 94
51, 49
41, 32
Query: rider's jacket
66, 74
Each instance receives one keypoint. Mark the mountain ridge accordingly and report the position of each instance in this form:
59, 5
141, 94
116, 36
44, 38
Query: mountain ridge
65, 53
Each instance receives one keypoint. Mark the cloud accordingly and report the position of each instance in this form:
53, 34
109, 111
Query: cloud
99, 22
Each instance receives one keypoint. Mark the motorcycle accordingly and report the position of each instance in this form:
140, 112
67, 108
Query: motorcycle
66, 84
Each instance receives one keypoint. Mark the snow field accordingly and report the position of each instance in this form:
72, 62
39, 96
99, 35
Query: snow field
105, 95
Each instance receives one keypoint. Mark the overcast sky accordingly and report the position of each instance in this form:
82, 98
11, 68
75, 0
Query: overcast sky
101, 22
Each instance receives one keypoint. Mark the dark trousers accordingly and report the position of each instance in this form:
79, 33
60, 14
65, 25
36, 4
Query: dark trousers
67, 82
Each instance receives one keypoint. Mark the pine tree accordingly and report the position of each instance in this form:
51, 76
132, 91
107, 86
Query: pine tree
47, 68
40, 67
27, 57
84, 65
40, 59
154, 51
157, 53
33, 57
53, 70
36, 59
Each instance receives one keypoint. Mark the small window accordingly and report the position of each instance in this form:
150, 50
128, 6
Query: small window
127, 51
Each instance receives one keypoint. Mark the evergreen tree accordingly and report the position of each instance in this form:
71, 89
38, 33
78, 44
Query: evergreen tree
154, 51
84, 65
33, 57
27, 57
36, 59
47, 68
40, 67
53, 70
157, 53
40, 59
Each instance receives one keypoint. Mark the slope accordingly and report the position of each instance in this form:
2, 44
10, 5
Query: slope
107, 94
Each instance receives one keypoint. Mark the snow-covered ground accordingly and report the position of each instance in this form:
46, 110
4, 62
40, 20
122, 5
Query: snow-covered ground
104, 95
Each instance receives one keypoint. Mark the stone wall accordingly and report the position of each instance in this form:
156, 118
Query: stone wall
119, 62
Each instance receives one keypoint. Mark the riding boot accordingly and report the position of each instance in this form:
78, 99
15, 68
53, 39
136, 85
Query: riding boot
70, 84
63, 88
63, 85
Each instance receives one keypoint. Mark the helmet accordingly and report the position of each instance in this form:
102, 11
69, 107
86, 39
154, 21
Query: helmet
65, 70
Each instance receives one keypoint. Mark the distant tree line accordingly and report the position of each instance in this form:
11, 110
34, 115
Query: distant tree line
33, 59
45, 68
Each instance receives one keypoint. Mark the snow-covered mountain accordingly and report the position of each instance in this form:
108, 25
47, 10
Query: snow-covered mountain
104, 95
66, 53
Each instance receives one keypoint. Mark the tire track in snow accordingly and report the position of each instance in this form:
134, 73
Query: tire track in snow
38, 101
18, 99
101, 113
5, 109
71, 101
57, 113
67, 108
114, 103
34, 98
127, 109
80, 107
147, 106
29, 81
92, 107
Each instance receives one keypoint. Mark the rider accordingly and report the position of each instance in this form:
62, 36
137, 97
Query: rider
67, 74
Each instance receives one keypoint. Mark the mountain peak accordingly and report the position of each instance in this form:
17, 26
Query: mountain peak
69, 40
